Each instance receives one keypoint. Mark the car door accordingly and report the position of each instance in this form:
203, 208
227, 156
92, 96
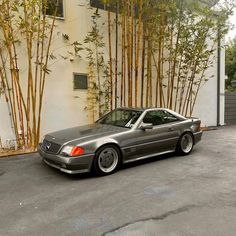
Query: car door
161, 138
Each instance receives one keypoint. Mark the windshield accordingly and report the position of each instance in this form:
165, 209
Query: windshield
121, 117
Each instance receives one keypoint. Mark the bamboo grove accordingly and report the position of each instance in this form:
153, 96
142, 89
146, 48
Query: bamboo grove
23, 24
140, 53
159, 51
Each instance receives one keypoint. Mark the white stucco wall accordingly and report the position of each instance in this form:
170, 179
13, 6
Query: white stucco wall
5, 125
206, 105
63, 107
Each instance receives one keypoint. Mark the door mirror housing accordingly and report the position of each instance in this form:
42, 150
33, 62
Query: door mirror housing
145, 126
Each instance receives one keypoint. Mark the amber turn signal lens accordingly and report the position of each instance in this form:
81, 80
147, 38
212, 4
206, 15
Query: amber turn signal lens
77, 151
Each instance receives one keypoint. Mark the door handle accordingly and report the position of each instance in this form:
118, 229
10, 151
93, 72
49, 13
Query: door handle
171, 129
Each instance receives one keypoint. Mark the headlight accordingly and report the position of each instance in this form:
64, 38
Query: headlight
72, 151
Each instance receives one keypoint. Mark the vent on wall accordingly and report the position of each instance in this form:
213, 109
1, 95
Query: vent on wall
80, 81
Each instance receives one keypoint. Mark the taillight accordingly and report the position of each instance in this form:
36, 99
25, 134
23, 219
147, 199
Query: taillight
196, 127
199, 126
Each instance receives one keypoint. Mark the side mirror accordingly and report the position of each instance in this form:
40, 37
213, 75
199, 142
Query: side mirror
145, 126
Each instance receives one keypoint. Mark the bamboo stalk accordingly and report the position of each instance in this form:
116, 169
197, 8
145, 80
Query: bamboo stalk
181, 62
143, 67
178, 82
131, 51
110, 57
122, 60
34, 102
44, 75
9, 97
30, 95
175, 58
157, 81
148, 75
159, 62
98, 80
138, 51
128, 32
170, 64
18, 97
116, 61
196, 61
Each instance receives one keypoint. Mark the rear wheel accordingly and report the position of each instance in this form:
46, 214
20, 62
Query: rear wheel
185, 144
107, 160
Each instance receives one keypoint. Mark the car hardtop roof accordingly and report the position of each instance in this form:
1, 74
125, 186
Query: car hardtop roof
141, 108
152, 109
131, 108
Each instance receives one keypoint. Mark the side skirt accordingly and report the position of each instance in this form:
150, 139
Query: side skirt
148, 156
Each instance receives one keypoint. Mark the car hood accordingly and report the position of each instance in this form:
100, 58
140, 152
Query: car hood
83, 133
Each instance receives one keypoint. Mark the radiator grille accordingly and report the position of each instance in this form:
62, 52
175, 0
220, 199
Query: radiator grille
50, 147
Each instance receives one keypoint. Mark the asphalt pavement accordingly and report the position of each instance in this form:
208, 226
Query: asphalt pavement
170, 195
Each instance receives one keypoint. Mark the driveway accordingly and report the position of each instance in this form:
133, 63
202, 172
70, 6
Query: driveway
191, 195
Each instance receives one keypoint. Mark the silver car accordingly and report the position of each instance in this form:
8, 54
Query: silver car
121, 136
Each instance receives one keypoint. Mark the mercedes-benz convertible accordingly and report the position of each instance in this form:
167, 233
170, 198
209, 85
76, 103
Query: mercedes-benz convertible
121, 136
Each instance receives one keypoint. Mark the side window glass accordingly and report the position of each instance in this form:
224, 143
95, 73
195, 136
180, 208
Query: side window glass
159, 117
168, 117
153, 117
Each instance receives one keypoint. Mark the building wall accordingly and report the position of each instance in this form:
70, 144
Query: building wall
64, 107
206, 106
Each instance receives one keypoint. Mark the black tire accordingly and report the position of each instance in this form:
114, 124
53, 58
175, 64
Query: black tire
185, 144
107, 160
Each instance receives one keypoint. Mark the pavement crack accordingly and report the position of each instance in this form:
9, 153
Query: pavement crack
156, 218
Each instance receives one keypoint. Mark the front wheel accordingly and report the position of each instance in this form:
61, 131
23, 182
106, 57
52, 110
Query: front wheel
185, 144
107, 160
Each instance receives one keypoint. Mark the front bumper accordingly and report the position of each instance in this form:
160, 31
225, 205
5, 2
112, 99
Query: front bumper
70, 165
197, 137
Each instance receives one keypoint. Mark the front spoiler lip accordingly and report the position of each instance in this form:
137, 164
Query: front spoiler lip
83, 162
65, 170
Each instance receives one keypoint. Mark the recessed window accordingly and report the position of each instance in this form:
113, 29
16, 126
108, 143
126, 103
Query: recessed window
55, 5
80, 81
113, 6
100, 4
